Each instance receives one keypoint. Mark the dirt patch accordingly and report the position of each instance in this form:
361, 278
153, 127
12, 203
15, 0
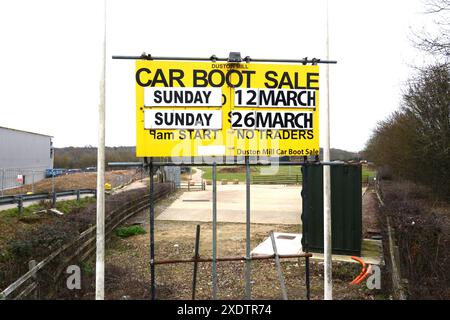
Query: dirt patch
128, 270
175, 240
82, 180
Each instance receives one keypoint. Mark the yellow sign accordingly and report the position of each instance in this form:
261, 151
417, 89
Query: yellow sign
230, 109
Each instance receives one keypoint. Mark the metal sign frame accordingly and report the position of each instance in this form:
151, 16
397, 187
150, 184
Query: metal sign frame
150, 164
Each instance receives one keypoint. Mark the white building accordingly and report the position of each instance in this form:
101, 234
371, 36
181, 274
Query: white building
24, 157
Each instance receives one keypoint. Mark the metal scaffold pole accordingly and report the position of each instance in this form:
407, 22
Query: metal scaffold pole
214, 232
100, 253
248, 263
196, 257
152, 232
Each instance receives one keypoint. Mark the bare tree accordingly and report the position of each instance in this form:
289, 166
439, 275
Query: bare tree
415, 140
436, 42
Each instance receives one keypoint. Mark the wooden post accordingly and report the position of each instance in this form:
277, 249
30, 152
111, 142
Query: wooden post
31, 265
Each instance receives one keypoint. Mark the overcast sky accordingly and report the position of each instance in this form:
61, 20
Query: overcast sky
50, 56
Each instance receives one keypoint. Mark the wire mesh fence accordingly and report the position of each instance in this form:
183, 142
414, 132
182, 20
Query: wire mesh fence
17, 177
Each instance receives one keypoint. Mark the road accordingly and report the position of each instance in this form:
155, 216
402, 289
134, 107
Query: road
134, 185
29, 203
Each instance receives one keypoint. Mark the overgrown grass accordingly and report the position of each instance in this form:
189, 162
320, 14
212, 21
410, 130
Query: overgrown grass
71, 205
65, 206
422, 234
207, 174
367, 174
129, 231
88, 268
27, 211
255, 171
11, 221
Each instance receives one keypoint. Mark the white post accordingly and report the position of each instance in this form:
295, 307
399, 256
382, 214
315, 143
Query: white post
328, 282
53, 181
100, 259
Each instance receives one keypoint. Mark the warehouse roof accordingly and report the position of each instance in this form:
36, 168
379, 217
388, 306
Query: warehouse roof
39, 134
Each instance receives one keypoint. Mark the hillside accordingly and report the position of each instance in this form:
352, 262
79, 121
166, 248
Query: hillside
82, 157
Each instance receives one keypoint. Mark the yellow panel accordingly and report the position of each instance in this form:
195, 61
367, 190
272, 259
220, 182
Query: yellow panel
234, 142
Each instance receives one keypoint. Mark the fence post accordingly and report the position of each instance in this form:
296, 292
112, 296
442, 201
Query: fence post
3, 178
54, 199
20, 205
78, 195
32, 181
31, 265
53, 180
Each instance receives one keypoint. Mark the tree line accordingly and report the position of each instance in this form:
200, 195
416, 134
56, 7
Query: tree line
83, 157
414, 141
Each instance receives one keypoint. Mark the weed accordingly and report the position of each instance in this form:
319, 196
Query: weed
125, 232
72, 205
88, 268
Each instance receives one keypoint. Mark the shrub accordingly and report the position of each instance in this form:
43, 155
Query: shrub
129, 231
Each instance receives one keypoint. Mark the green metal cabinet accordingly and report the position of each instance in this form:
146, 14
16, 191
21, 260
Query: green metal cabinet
346, 208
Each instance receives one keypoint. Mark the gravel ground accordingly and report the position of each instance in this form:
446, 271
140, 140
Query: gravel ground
370, 220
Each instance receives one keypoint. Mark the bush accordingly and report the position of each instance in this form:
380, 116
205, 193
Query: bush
422, 232
129, 231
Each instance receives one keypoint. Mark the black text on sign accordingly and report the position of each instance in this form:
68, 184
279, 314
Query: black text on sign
267, 120
183, 119
287, 98
182, 97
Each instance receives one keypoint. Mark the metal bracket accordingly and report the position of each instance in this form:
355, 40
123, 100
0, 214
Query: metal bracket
234, 57
146, 56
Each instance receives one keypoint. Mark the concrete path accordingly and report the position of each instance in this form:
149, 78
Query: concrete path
197, 175
272, 204
134, 185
